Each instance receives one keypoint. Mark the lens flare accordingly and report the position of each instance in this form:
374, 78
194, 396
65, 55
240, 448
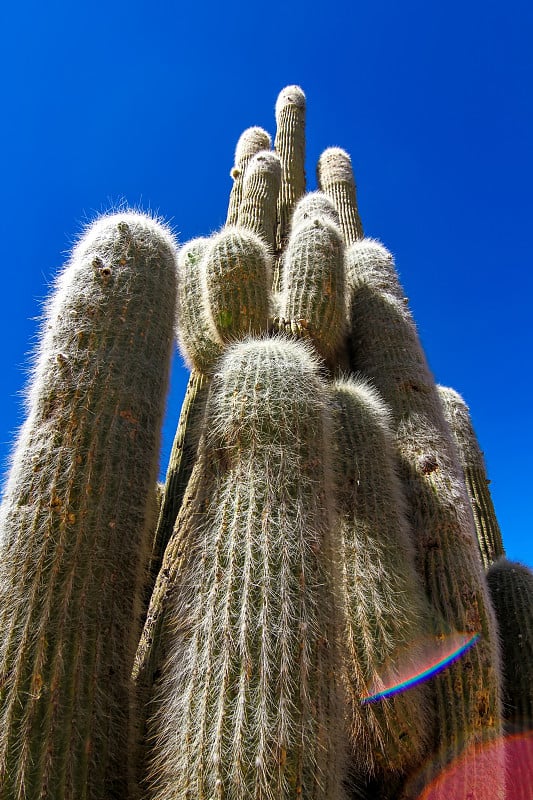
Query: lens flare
480, 772
437, 657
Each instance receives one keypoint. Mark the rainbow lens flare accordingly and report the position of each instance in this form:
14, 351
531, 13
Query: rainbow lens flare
440, 655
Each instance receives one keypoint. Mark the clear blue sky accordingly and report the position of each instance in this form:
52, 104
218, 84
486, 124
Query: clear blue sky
146, 100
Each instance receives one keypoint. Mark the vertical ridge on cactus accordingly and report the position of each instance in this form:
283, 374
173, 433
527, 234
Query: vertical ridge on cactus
385, 348
74, 518
487, 528
247, 705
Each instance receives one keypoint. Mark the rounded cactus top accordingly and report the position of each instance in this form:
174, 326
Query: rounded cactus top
334, 165
312, 205
250, 142
290, 96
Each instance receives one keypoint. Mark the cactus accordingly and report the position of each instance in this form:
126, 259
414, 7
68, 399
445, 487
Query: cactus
315, 533
75, 529
489, 536
511, 590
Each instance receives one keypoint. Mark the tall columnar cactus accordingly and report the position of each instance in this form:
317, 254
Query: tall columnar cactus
77, 518
386, 349
289, 144
247, 707
487, 528
315, 538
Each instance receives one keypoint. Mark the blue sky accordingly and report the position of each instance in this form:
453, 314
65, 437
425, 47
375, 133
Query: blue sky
145, 102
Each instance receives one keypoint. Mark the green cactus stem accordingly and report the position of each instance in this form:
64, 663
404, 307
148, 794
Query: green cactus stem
251, 141
312, 298
258, 208
335, 178
385, 348
386, 619
198, 342
247, 705
471, 457
289, 144
74, 532
236, 277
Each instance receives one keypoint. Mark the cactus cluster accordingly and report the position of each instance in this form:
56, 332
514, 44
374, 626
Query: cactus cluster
255, 627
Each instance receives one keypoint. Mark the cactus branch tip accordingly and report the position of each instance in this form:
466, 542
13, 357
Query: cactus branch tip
314, 204
290, 96
335, 165
250, 142
264, 161
128, 222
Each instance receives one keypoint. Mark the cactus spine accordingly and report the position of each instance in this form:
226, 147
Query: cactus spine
487, 528
74, 538
247, 706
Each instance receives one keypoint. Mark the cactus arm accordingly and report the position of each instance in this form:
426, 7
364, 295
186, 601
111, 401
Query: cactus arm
289, 144
312, 297
511, 590
74, 538
251, 141
258, 209
236, 279
335, 179
488, 531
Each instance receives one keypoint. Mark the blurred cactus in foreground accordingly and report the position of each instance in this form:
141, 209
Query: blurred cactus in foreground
320, 541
